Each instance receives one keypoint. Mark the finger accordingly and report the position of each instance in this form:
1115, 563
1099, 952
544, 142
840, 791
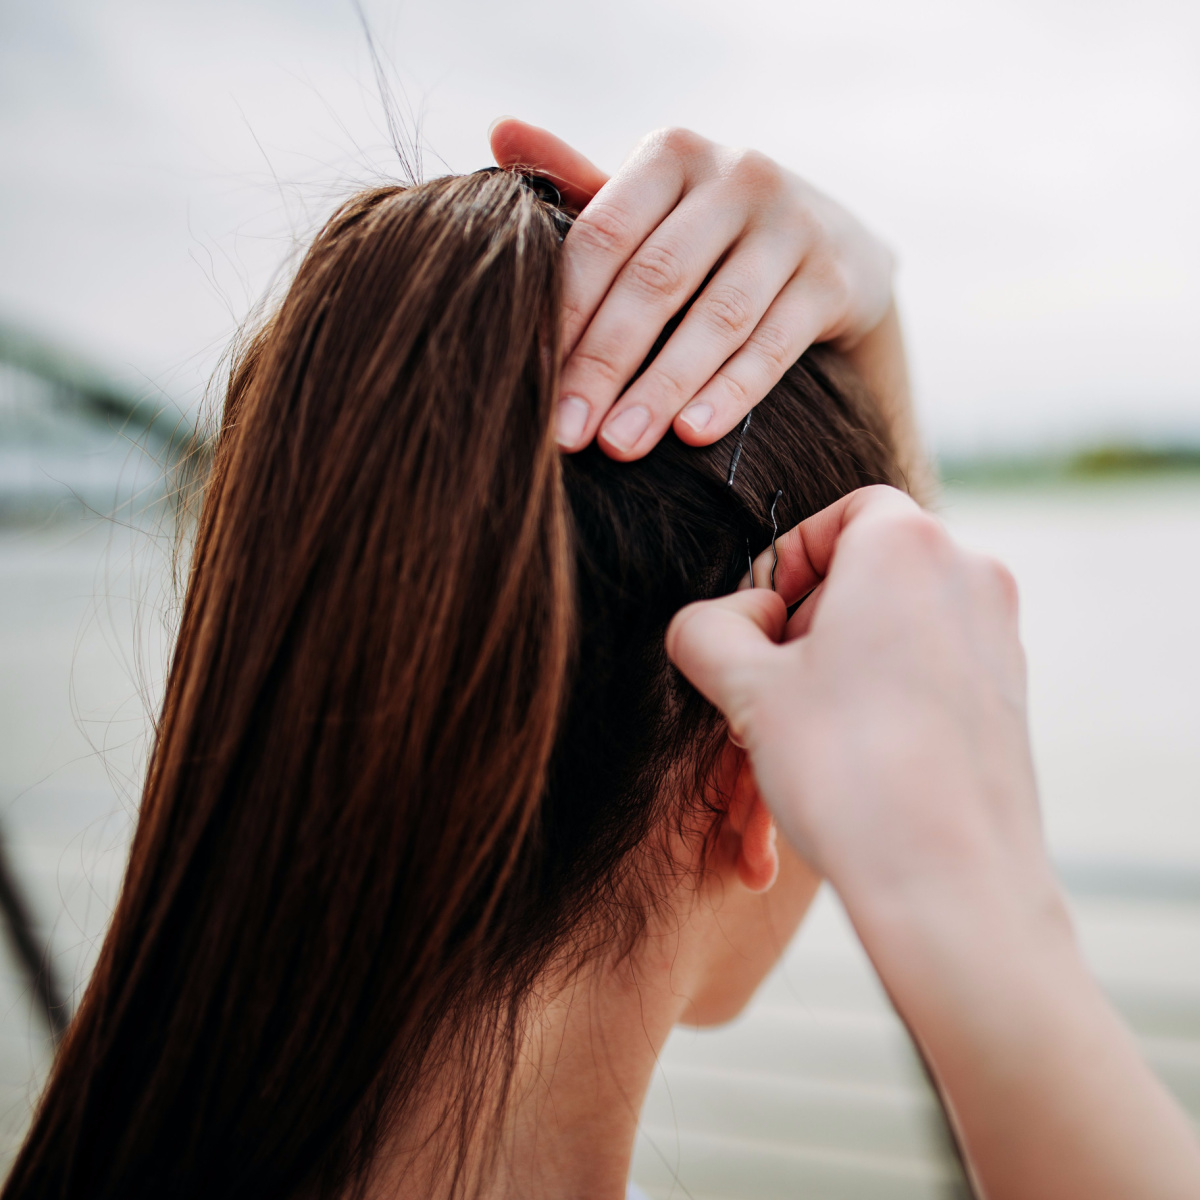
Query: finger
717, 325
655, 284
759, 575
605, 235
721, 646
996, 605
796, 319
800, 622
517, 145
998, 586
807, 550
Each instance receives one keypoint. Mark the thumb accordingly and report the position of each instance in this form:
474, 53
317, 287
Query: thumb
722, 645
516, 144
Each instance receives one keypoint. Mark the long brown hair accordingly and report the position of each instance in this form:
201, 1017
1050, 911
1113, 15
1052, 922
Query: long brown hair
418, 714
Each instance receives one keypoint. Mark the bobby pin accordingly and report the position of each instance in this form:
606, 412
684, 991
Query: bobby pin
774, 539
774, 535
736, 457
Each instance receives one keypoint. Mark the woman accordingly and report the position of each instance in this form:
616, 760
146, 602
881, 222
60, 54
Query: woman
435, 846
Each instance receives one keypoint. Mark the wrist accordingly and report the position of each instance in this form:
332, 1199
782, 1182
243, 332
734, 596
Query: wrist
879, 358
1046, 1088
963, 953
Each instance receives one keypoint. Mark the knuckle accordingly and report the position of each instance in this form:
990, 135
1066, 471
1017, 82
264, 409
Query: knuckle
1001, 580
674, 140
754, 171
598, 363
737, 389
809, 239
773, 347
656, 270
728, 309
831, 274
666, 384
839, 282
606, 230
922, 535
574, 314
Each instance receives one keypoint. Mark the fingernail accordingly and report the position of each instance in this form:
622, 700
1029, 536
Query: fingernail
623, 431
696, 416
496, 122
570, 420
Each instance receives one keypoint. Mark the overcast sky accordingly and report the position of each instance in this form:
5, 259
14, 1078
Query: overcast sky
1036, 163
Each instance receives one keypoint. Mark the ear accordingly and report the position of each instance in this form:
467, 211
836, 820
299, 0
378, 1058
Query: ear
749, 819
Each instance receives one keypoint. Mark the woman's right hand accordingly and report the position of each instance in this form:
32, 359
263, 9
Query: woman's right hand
885, 725
886, 721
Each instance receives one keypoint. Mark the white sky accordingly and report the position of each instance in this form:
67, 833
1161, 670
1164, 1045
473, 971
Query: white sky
1036, 163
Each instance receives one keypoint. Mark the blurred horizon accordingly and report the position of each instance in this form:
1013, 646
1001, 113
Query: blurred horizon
1033, 166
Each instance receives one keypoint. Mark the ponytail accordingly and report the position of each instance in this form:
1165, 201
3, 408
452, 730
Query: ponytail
342, 803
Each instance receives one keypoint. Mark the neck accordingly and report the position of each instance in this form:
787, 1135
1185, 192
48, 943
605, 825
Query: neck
582, 1074
575, 1113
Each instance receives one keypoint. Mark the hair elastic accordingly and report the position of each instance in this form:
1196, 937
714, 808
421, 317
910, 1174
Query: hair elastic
544, 189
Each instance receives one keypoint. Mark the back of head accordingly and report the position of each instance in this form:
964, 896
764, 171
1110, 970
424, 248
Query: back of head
649, 537
419, 724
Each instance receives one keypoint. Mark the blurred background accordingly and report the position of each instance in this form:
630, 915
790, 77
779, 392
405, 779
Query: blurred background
1037, 168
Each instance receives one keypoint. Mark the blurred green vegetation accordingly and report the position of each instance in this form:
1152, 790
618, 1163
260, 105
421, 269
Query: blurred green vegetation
1102, 462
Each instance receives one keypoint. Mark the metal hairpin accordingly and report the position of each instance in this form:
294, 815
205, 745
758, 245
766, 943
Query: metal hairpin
734, 459
774, 536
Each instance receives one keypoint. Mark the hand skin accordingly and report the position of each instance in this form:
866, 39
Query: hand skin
885, 724
795, 268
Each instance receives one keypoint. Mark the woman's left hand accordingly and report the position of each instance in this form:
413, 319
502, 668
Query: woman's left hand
792, 268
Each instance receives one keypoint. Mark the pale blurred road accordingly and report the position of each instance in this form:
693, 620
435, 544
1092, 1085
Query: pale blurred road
815, 1091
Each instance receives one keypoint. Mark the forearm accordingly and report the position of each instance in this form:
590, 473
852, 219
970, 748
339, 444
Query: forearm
1048, 1089
882, 364
887, 732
